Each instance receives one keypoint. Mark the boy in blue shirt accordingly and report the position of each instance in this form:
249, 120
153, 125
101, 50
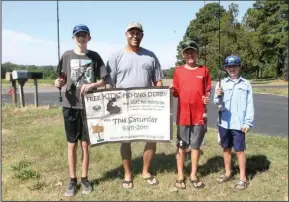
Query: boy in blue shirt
236, 119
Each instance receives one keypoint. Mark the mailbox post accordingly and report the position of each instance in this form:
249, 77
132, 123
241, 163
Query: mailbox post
8, 77
21, 76
36, 93
35, 76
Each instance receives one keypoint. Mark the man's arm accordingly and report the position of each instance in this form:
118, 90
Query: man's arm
158, 83
112, 72
157, 73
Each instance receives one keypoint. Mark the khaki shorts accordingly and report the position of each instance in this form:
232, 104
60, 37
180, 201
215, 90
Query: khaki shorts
190, 136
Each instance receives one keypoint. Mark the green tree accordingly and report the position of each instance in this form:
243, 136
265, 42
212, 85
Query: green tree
205, 31
269, 19
169, 73
261, 39
49, 72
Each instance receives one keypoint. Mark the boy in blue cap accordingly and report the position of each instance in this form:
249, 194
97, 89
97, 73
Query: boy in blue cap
236, 119
80, 70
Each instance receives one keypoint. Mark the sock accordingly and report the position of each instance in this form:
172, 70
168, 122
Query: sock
73, 180
83, 178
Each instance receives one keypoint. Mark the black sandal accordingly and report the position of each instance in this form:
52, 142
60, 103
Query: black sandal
180, 184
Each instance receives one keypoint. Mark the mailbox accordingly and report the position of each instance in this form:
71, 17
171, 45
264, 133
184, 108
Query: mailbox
35, 75
20, 75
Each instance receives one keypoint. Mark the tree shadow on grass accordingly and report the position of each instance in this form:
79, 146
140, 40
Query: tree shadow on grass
160, 163
167, 163
254, 164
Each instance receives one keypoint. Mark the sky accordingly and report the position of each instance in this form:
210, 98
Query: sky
29, 28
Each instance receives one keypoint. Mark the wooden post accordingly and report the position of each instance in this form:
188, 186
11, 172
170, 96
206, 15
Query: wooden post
36, 93
21, 84
8, 77
14, 93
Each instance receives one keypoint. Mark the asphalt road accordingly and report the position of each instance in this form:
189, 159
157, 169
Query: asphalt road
271, 112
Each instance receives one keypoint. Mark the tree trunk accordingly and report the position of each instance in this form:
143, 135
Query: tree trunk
280, 63
277, 69
259, 73
285, 70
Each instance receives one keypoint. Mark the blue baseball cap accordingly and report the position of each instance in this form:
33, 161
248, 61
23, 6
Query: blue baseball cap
80, 28
232, 60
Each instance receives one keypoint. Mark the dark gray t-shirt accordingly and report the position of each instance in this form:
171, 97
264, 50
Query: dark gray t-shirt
79, 70
128, 69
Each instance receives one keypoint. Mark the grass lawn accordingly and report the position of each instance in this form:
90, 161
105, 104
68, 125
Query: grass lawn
30, 82
34, 165
269, 82
273, 91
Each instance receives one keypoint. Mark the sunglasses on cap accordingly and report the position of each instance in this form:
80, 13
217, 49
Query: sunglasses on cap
81, 34
190, 45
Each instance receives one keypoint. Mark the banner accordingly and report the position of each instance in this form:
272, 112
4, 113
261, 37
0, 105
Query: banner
125, 115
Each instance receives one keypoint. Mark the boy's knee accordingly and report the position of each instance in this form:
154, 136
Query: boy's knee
84, 145
72, 146
182, 150
227, 149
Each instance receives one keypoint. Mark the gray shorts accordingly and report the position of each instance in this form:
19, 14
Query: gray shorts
190, 136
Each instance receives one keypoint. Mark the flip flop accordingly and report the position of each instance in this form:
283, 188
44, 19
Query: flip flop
127, 184
180, 184
241, 185
151, 180
196, 182
224, 178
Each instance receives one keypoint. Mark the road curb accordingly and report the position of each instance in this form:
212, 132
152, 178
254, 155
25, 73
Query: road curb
269, 94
